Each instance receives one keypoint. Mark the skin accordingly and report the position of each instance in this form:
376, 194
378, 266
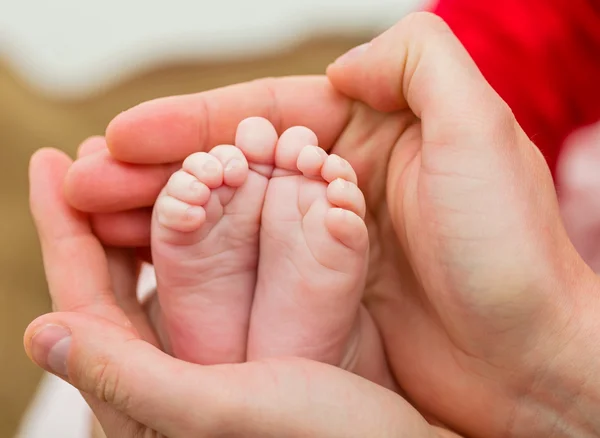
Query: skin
260, 250
482, 303
579, 182
127, 380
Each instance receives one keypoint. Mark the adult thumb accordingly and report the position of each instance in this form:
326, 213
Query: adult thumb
465, 128
178, 399
479, 173
417, 64
131, 376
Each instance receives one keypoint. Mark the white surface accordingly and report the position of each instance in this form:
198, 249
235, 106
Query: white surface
72, 47
58, 411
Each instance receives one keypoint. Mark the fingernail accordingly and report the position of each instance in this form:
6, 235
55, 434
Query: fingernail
352, 53
50, 348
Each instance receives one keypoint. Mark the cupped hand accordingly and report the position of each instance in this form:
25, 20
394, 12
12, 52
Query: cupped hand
473, 282
100, 341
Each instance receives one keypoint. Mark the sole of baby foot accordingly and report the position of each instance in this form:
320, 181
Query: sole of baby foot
205, 243
313, 255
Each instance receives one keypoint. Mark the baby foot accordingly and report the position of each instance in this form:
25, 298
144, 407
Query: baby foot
313, 255
205, 236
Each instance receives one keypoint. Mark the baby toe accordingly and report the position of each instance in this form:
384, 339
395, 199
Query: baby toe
256, 137
336, 167
235, 165
310, 161
344, 194
290, 145
206, 168
187, 188
347, 227
178, 215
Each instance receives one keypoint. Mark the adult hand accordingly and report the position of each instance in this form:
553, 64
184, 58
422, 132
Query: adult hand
137, 390
481, 301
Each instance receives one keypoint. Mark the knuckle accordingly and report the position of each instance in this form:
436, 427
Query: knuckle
106, 384
503, 123
140, 431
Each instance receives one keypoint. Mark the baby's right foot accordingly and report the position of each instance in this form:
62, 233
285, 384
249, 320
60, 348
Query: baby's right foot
205, 236
313, 257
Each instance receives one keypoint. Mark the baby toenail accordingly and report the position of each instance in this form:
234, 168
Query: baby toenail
233, 164
210, 167
194, 213
342, 184
196, 186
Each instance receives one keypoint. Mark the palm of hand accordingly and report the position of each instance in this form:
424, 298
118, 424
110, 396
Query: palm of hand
445, 330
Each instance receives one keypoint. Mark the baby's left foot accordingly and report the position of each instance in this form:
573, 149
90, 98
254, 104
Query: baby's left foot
205, 243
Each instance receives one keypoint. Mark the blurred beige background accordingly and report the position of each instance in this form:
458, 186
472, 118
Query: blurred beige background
63, 81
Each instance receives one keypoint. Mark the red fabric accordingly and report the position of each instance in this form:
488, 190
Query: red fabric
541, 56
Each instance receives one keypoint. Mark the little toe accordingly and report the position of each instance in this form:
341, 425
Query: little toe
187, 188
206, 168
336, 167
256, 137
289, 146
235, 165
178, 215
347, 227
346, 195
310, 161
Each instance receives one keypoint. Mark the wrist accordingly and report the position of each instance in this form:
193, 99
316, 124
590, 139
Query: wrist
563, 400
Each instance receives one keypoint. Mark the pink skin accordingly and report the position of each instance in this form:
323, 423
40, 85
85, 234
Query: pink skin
226, 298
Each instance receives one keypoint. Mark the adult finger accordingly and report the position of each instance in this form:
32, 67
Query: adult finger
108, 287
122, 262
466, 132
175, 398
129, 228
169, 129
124, 272
91, 145
123, 228
75, 263
420, 65
114, 184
